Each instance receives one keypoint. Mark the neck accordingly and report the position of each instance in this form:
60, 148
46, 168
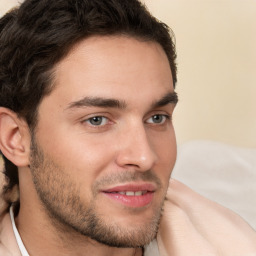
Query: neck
36, 236
42, 236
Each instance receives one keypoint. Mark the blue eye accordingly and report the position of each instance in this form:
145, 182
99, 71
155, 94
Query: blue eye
97, 120
157, 119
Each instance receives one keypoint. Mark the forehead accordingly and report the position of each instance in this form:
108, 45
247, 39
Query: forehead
113, 66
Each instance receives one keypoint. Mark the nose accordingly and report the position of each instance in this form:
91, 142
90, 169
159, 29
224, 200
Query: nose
135, 150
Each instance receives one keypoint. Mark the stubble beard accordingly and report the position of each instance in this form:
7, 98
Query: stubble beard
61, 201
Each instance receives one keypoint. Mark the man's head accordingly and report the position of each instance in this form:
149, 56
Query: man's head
89, 85
39, 34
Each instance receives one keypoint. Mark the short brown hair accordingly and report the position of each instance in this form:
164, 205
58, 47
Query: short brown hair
38, 34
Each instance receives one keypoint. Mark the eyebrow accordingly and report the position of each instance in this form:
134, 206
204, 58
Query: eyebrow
169, 98
98, 102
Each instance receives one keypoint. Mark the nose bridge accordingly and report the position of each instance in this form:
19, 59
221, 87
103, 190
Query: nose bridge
135, 148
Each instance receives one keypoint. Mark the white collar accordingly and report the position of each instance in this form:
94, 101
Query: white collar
151, 248
17, 235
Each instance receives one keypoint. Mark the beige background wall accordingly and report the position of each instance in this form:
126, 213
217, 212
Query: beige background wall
5, 5
216, 45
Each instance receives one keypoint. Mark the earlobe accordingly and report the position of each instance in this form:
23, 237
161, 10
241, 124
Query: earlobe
14, 138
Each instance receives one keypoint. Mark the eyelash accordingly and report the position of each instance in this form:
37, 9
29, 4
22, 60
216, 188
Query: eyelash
106, 119
166, 118
94, 117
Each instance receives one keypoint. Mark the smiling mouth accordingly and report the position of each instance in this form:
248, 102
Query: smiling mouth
130, 193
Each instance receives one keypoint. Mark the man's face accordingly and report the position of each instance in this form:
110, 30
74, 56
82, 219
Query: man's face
104, 147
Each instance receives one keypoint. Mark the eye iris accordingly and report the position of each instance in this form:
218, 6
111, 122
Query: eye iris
157, 118
97, 120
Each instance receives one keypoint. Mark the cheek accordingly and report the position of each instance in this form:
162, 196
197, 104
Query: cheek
166, 150
82, 155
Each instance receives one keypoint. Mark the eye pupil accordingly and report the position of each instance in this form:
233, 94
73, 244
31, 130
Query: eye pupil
97, 120
157, 118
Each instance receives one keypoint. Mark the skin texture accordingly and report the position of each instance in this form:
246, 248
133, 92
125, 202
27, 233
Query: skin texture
74, 158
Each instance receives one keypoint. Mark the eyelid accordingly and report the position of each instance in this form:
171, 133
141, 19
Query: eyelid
91, 119
86, 119
165, 115
94, 114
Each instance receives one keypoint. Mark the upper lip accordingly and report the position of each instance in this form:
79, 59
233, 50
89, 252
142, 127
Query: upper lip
132, 187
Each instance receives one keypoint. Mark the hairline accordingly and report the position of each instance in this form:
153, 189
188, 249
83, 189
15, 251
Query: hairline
52, 83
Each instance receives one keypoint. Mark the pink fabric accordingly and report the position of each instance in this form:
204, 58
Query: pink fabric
194, 225
191, 225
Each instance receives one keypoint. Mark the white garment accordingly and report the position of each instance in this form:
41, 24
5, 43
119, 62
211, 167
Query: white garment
17, 235
150, 250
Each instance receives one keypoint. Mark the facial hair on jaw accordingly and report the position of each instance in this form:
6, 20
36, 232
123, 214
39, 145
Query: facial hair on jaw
60, 198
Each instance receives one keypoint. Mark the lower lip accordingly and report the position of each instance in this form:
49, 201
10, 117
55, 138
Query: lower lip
132, 201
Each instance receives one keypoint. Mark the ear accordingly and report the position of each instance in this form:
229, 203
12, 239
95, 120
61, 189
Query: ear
14, 137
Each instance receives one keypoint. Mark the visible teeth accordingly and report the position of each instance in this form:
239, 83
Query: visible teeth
132, 193
138, 193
